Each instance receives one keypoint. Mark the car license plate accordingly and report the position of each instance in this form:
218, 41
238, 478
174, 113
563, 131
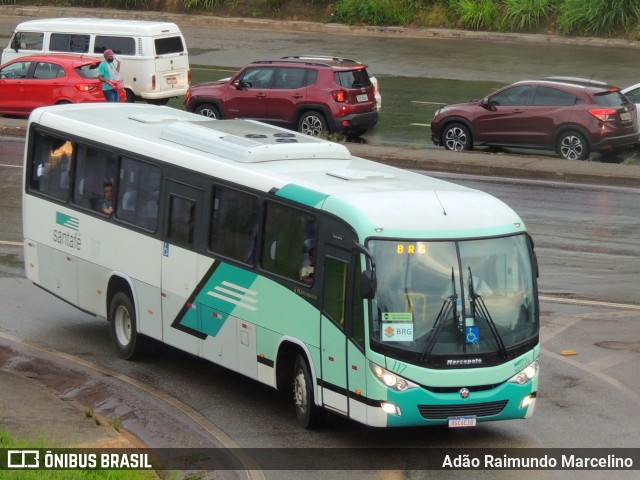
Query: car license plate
625, 116
462, 422
362, 98
172, 80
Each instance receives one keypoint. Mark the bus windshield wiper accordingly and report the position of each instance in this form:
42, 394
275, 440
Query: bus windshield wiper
448, 305
478, 305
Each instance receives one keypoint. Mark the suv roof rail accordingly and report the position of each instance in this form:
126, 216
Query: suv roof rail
319, 57
292, 61
578, 80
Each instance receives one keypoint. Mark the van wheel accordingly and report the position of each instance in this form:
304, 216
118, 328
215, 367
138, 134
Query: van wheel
130, 97
158, 101
307, 413
456, 137
122, 325
312, 123
573, 146
207, 110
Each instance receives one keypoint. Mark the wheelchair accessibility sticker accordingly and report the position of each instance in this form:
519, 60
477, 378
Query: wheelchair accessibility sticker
473, 334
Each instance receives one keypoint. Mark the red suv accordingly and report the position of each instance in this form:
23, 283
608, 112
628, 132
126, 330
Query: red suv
571, 116
312, 96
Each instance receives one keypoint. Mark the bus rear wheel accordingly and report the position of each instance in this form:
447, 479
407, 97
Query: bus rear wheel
307, 413
122, 325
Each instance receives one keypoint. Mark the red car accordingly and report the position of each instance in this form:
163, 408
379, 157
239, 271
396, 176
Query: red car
571, 116
313, 95
33, 81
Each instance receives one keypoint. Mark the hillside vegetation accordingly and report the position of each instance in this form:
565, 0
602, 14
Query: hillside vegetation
595, 18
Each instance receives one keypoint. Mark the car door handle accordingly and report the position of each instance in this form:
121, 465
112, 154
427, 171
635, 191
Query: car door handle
261, 95
517, 111
296, 96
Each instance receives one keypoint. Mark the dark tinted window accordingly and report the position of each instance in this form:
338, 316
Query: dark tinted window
353, 78
168, 45
182, 218
139, 192
234, 225
119, 45
512, 96
610, 99
553, 96
64, 42
287, 234
311, 78
51, 166
95, 168
288, 78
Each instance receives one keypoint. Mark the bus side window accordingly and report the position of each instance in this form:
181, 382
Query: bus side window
284, 240
51, 166
94, 168
234, 225
138, 193
182, 217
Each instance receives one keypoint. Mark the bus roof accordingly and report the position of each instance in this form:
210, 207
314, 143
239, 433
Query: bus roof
105, 26
373, 197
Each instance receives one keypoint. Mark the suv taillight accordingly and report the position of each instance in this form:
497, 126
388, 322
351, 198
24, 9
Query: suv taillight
604, 114
339, 96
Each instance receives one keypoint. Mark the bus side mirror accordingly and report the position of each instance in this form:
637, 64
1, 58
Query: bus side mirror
368, 284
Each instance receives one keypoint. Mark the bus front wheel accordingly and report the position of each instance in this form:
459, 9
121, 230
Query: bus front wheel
306, 411
122, 324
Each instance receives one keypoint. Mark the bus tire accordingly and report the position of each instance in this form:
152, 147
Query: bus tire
122, 325
307, 413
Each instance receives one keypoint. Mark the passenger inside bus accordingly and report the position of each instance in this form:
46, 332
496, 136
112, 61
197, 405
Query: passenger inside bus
105, 204
306, 272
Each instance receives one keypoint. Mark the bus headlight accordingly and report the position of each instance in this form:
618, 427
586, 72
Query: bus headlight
390, 379
526, 374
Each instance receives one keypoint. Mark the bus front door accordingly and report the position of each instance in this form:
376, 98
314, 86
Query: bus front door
335, 317
180, 265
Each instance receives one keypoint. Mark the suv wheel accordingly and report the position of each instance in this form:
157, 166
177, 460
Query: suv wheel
573, 146
456, 137
312, 123
207, 110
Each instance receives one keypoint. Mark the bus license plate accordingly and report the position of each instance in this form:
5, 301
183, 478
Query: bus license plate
172, 80
462, 422
625, 116
362, 98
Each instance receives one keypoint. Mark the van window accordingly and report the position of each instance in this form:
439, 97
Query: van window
66, 42
119, 45
168, 45
27, 40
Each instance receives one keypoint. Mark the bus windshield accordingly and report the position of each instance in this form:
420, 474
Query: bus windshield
448, 298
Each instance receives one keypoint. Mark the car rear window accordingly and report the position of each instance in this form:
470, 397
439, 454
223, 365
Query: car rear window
167, 45
90, 70
353, 78
610, 99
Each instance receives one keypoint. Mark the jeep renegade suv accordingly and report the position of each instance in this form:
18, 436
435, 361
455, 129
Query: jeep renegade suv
571, 116
312, 96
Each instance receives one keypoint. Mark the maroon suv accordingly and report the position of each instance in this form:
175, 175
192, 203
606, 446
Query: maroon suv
310, 96
571, 116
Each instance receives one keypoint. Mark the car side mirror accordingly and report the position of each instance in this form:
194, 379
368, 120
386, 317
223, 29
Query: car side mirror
488, 104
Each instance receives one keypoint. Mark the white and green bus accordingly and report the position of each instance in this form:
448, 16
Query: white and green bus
419, 307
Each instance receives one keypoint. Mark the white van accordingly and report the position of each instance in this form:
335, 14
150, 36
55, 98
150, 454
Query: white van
154, 62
